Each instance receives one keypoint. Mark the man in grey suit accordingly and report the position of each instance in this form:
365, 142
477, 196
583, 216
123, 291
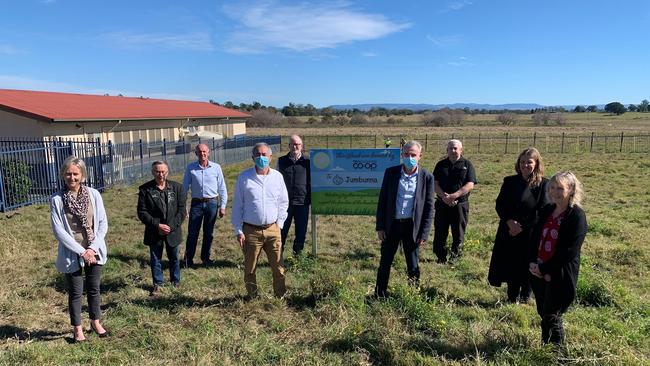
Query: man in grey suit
404, 214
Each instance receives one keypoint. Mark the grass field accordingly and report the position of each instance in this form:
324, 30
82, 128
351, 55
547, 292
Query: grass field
326, 317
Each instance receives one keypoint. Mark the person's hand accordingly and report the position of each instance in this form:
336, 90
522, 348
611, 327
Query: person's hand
533, 268
514, 228
222, 212
89, 256
164, 229
449, 199
241, 238
381, 235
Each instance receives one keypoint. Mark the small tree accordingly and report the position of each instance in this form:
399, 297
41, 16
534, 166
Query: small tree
559, 119
592, 108
615, 108
507, 118
541, 118
644, 106
358, 119
632, 108
264, 118
579, 109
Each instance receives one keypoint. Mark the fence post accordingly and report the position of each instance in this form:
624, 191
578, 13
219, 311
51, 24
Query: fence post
350, 141
534, 138
141, 160
562, 145
327, 142
479, 143
506, 143
426, 141
164, 149
375, 141
110, 157
591, 142
621, 147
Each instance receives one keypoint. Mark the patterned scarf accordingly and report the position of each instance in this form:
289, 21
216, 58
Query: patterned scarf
79, 208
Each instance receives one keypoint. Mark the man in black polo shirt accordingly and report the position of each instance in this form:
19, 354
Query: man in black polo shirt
454, 179
295, 170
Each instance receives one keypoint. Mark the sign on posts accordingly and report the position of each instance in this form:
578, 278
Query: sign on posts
347, 181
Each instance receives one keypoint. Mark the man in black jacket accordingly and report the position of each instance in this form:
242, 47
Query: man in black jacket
297, 177
161, 207
404, 214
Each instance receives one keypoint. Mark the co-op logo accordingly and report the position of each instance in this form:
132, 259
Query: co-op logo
364, 164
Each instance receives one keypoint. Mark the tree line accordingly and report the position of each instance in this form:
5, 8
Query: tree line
263, 116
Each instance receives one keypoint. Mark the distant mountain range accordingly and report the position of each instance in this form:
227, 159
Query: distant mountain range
419, 107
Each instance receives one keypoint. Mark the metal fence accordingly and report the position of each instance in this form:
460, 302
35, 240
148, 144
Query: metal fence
29, 168
497, 143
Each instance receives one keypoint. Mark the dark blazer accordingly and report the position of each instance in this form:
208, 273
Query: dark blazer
297, 178
516, 201
565, 263
422, 207
150, 212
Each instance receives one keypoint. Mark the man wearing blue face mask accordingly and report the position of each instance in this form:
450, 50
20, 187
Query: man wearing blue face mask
259, 211
404, 214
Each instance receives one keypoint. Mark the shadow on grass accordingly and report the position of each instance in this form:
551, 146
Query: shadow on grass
379, 352
107, 285
221, 263
142, 262
359, 254
9, 332
301, 301
432, 293
437, 347
182, 301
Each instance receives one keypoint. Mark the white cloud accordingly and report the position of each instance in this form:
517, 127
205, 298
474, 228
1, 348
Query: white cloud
460, 62
457, 5
197, 41
368, 54
7, 49
303, 27
445, 41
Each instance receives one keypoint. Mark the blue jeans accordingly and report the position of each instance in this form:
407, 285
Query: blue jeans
300, 213
155, 252
200, 213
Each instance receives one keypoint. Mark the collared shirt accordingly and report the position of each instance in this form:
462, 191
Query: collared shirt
296, 157
406, 195
206, 182
451, 176
259, 199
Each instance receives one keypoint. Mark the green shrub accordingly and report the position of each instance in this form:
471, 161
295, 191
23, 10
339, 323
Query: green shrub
15, 175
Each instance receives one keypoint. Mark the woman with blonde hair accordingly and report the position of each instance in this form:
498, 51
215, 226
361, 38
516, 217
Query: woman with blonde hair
79, 224
555, 260
521, 197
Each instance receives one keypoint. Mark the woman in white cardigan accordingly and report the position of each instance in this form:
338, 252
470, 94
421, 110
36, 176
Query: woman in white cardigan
79, 224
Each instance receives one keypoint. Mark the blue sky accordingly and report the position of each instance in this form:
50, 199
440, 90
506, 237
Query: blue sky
332, 52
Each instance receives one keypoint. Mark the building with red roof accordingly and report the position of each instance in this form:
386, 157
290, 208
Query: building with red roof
40, 114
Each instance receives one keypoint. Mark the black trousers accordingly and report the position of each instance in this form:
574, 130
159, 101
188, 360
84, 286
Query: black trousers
550, 309
445, 217
400, 231
300, 214
75, 282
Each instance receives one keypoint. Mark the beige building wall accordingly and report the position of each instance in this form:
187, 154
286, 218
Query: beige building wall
15, 125
124, 131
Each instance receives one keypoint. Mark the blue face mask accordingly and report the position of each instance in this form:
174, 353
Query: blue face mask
409, 162
261, 162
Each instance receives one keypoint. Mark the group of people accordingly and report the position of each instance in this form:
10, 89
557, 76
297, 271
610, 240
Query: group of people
537, 246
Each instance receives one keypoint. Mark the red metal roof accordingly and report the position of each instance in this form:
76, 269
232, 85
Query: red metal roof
72, 107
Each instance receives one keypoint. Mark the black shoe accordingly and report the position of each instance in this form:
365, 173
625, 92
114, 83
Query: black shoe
188, 264
441, 260
176, 284
100, 335
208, 262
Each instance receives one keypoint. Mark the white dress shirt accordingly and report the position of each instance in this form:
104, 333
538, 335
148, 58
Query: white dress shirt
259, 199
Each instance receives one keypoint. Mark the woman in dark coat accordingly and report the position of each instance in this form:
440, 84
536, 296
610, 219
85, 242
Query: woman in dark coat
555, 261
519, 201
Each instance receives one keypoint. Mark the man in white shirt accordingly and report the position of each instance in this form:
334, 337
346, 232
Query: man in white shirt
259, 211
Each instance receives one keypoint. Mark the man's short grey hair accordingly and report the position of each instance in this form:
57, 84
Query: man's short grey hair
159, 162
454, 142
73, 160
260, 144
409, 144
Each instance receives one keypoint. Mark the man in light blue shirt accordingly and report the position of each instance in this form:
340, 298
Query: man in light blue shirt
209, 198
258, 212
404, 214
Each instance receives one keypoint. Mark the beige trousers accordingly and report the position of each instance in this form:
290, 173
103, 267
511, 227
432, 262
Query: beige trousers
258, 239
